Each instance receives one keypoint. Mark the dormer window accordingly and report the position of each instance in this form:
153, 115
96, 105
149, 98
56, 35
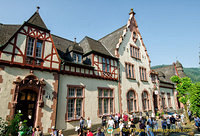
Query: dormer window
77, 57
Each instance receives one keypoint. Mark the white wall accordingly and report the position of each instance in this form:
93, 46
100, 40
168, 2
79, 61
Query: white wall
9, 74
126, 84
91, 100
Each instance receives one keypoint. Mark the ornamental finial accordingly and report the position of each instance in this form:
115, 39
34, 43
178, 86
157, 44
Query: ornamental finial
38, 9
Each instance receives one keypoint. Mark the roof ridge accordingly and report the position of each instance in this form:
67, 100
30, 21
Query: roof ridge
112, 32
11, 24
61, 37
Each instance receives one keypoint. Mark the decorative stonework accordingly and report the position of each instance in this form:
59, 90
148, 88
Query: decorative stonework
30, 82
54, 105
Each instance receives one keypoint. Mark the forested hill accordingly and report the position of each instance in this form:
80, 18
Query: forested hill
193, 73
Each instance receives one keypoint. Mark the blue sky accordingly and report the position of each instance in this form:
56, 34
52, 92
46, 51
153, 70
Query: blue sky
170, 29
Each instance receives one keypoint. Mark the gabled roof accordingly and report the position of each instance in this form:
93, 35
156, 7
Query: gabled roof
88, 44
75, 48
6, 32
112, 39
36, 20
61, 45
166, 72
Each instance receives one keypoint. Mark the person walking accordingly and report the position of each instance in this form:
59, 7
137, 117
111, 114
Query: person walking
197, 122
173, 122
38, 132
189, 114
125, 118
111, 123
33, 131
149, 129
116, 120
155, 123
182, 118
81, 123
125, 131
164, 124
142, 128
89, 123
89, 133
60, 133
168, 123
104, 118
99, 132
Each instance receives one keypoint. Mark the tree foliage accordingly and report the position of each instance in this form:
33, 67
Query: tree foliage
194, 98
12, 126
183, 86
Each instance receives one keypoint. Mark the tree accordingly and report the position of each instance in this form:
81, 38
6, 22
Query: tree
195, 99
184, 87
11, 127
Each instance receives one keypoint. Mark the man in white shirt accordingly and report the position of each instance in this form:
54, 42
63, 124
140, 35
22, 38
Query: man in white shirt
111, 123
182, 118
89, 123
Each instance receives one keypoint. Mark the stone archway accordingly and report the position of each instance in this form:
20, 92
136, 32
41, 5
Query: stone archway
30, 84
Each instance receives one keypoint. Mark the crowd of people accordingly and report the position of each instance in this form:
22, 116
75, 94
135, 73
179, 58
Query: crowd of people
125, 125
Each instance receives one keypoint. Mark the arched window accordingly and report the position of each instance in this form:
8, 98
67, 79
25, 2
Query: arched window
145, 101
132, 101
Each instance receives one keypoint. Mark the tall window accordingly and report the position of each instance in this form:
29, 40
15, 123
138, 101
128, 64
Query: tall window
129, 68
169, 100
104, 64
143, 76
75, 98
145, 101
30, 46
131, 101
163, 100
108, 65
105, 101
135, 52
39, 49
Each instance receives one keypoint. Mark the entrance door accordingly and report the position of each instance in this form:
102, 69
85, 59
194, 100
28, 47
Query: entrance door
155, 102
27, 105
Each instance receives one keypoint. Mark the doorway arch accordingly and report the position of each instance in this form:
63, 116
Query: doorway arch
27, 104
28, 98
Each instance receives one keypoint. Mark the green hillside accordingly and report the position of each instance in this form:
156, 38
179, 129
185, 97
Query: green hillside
193, 73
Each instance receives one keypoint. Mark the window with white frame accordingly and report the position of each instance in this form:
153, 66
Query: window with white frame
105, 101
30, 46
37, 48
75, 97
77, 57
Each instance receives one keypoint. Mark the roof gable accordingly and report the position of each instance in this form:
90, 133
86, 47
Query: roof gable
36, 20
112, 39
88, 44
7, 31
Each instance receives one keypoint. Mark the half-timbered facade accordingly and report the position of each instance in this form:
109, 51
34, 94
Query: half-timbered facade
53, 81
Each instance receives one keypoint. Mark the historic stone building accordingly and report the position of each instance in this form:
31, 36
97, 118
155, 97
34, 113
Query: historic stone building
54, 81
